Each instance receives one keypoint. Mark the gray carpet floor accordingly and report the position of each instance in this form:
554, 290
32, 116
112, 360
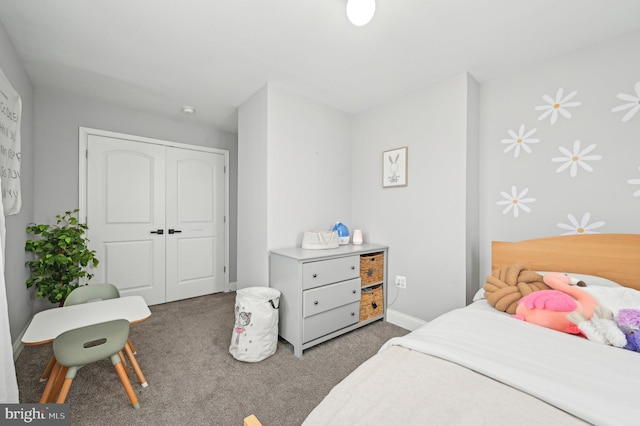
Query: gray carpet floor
183, 350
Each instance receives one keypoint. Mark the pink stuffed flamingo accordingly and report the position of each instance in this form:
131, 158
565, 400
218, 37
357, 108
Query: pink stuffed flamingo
549, 308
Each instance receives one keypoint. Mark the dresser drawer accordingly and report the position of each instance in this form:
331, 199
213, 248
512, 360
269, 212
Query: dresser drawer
323, 272
330, 321
330, 296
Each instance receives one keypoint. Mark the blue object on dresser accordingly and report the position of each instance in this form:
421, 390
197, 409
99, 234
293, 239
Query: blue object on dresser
343, 232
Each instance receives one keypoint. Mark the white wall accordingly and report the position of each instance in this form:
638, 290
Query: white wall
424, 223
598, 74
253, 266
295, 175
309, 173
19, 299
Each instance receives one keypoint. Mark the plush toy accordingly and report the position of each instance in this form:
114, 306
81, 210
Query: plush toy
601, 328
629, 322
549, 308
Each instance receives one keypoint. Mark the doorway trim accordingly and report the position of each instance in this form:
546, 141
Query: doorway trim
83, 138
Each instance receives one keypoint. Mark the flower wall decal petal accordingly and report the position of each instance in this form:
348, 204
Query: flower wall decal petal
583, 226
632, 103
557, 106
575, 158
515, 202
519, 140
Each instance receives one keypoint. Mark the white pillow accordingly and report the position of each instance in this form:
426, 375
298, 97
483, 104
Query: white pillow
479, 294
615, 298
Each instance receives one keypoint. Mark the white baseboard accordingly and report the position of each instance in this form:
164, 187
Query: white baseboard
18, 346
403, 320
233, 286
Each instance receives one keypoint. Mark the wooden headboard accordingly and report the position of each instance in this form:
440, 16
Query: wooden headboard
612, 256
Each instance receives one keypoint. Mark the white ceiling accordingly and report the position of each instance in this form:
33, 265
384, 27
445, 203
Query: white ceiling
157, 55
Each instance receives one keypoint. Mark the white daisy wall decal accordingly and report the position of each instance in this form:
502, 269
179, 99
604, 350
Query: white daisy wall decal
576, 158
633, 103
635, 182
519, 140
557, 106
515, 201
582, 227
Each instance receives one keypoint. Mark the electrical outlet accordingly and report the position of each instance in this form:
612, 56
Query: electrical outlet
401, 281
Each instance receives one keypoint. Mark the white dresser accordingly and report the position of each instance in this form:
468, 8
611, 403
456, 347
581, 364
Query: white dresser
322, 290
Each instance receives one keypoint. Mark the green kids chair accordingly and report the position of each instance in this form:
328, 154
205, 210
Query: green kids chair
81, 346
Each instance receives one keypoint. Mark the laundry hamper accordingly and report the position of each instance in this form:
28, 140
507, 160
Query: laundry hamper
255, 333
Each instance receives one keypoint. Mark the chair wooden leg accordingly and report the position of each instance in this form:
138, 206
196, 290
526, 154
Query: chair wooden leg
59, 382
123, 360
53, 376
252, 420
136, 367
127, 385
133, 349
64, 391
47, 371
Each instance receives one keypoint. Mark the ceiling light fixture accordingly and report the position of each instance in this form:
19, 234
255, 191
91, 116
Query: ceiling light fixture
360, 12
188, 109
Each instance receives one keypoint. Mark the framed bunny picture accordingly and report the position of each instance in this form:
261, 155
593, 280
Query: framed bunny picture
394, 167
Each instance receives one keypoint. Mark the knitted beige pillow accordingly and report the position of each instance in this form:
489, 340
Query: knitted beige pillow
506, 286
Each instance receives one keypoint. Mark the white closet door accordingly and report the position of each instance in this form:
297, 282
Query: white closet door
125, 212
195, 223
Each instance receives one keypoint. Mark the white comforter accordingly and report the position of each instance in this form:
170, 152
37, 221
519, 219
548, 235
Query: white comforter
593, 382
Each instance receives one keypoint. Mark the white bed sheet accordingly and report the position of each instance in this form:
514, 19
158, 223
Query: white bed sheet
538, 369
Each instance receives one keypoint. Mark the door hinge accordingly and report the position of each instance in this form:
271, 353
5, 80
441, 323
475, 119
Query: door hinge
225, 219
86, 153
225, 169
225, 269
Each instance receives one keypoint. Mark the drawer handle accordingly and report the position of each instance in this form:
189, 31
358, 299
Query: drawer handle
353, 314
353, 267
315, 275
315, 302
354, 292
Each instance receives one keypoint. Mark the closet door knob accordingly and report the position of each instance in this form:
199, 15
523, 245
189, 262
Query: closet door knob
315, 275
159, 232
315, 302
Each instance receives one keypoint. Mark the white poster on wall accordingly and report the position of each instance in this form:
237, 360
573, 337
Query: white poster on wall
10, 156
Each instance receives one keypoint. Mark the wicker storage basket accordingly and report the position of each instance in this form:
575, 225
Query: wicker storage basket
372, 268
371, 302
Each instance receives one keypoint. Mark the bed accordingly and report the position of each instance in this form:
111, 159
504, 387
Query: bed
477, 365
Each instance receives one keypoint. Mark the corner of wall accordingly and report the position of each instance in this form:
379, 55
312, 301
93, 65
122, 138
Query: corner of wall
473, 186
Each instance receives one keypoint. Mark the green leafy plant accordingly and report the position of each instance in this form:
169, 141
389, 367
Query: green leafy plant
62, 257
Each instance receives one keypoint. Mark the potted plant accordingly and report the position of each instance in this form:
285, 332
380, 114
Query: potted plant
62, 257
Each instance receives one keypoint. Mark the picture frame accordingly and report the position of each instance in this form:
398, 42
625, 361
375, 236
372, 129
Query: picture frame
394, 167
